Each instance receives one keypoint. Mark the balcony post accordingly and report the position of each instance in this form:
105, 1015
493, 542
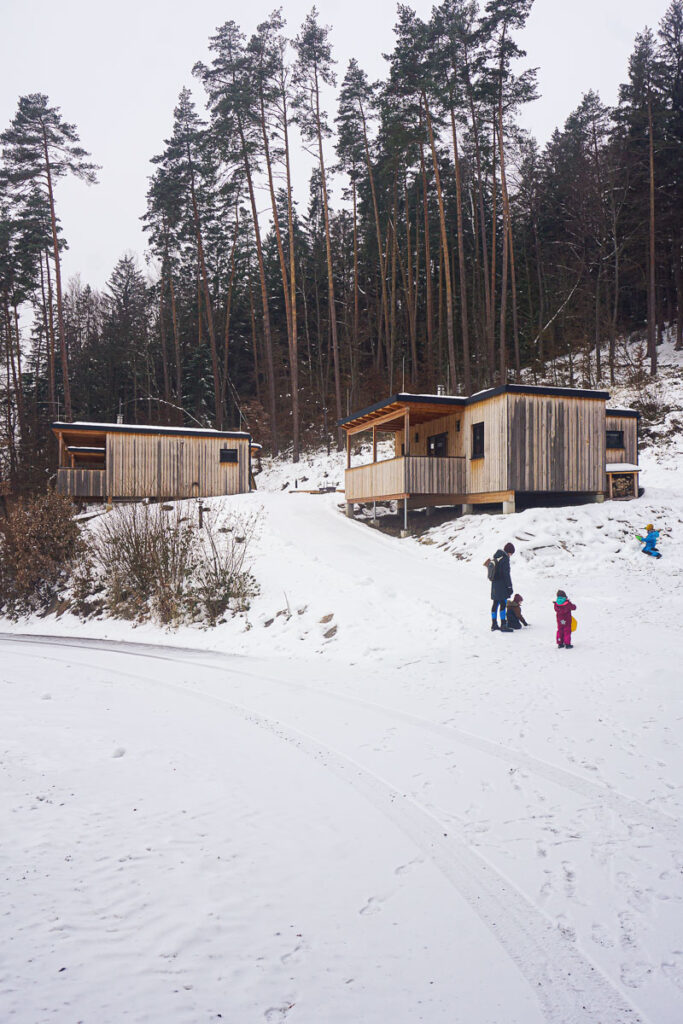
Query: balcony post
374, 444
348, 450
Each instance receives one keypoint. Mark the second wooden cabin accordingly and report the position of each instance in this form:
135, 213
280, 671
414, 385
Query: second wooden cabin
129, 461
495, 447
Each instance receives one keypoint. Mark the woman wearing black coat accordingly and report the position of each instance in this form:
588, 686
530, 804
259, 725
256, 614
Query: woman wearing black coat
501, 588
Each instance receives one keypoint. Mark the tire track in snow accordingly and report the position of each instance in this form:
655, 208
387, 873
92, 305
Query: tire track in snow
570, 989
608, 798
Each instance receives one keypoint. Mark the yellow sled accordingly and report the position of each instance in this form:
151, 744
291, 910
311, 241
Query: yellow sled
574, 624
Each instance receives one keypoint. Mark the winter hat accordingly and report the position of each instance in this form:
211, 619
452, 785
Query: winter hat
509, 549
518, 598
561, 593
649, 527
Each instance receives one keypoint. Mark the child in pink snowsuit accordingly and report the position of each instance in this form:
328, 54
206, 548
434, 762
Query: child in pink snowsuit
563, 609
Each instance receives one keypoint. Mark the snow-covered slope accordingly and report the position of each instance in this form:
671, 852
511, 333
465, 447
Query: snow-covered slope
363, 805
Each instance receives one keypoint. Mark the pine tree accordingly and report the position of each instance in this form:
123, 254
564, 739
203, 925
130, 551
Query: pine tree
39, 148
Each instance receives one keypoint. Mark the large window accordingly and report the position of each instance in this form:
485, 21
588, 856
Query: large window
228, 455
615, 438
437, 446
477, 440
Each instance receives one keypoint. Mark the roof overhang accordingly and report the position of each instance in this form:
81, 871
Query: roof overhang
389, 415
88, 431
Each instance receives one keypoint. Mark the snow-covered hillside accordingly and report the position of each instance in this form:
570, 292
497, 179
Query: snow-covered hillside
358, 804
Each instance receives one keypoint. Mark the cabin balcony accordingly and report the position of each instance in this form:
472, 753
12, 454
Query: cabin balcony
405, 477
81, 483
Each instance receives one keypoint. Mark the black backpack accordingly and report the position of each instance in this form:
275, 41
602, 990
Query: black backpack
492, 569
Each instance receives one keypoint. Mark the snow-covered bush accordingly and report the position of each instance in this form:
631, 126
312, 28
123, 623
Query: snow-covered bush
152, 561
39, 541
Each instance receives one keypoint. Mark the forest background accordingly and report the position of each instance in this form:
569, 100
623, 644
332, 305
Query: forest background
435, 241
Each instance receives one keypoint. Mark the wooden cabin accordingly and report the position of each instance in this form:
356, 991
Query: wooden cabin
492, 448
130, 461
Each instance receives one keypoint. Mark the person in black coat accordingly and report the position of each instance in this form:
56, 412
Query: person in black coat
501, 588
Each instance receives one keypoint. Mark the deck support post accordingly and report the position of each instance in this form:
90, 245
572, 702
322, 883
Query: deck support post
404, 531
508, 507
467, 510
599, 496
374, 512
349, 509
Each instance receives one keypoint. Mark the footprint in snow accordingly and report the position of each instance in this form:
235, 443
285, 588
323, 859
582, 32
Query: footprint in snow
371, 907
119, 752
635, 974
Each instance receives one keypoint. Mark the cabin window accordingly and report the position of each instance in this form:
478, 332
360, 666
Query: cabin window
478, 440
228, 455
615, 438
437, 446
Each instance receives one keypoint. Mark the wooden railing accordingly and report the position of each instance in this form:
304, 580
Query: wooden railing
412, 474
377, 480
427, 475
81, 483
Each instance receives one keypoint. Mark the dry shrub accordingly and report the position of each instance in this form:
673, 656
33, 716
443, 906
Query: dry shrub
222, 579
39, 541
157, 564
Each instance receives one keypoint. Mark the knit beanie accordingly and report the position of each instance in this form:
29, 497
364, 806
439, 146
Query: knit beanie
649, 527
509, 549
561, 593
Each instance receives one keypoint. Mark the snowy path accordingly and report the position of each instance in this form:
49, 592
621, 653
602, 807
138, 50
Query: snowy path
354, 804
403, 767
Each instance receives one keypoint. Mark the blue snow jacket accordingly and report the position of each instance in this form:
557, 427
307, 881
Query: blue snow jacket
651, 541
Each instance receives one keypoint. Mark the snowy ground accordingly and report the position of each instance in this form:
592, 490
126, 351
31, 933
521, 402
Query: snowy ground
355, 804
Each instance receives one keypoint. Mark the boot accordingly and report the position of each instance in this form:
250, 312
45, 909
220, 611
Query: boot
560, 645
494, 626
504, 628
568, 647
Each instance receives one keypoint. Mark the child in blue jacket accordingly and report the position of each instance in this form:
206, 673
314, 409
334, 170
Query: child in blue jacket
650, 541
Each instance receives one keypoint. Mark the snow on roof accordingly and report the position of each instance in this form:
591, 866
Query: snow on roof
621, 467
140, 428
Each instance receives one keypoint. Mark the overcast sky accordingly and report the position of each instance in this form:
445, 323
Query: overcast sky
115, 69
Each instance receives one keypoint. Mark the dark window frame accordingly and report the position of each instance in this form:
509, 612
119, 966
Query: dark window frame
611, 435
478, 440
438, 441
229, 456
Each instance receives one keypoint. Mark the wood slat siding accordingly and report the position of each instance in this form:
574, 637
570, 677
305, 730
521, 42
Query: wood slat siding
149, 466
417, 474
629, 453
556, 444
435, 475
490, 473
423, 431
376, 480
81, 483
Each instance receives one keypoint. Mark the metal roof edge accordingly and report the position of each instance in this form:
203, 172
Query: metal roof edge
132, 428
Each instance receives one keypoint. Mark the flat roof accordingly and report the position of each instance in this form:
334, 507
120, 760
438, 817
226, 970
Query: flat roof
432, 406
80, 426
623, 412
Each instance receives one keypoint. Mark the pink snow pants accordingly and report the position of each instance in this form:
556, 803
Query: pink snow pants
564, 632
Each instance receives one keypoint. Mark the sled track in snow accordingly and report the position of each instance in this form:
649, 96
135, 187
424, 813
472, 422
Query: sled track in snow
570, 989
626, 807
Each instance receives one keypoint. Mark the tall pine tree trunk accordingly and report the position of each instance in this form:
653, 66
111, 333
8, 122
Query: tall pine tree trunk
330, 275
66, 386
444, 245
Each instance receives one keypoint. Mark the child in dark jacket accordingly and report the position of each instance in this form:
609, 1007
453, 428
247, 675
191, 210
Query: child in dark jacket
563, 609
514, 609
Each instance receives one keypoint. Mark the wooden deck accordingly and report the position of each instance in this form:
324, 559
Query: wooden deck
406, 476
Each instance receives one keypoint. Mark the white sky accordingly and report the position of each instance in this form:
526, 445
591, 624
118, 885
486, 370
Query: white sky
116, 69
